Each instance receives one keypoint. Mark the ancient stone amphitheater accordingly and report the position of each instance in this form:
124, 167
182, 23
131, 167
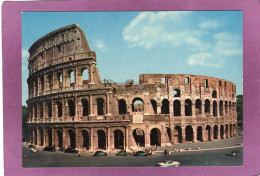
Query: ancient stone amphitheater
69, 105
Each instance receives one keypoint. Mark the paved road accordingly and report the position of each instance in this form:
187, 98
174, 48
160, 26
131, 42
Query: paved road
217, 157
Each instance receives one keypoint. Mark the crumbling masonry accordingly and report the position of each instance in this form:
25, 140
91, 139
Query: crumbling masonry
69, 106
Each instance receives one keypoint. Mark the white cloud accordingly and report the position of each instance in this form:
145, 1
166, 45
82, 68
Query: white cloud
209, 25
204, 59
25, 53
100, 45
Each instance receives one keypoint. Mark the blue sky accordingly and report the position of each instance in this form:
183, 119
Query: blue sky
127, 44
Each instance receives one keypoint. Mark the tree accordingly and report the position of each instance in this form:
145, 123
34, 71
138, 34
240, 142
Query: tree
240, 109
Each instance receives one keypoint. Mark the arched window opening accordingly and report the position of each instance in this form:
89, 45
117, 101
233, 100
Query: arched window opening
35, 111
60, 79
177, 134
199, 133
137, 105
177, 107
226, 107
49, 109
100, 106
139, 137
49, 132
59, 105
72, 77
215, 132
72, 139
122, 106
36, 87
35, 137
221, 108
207, 107
165, 107
176, 93
215, 107
198, 106
155, 137
101, 139
230, 108
42, 83
188, 107
189, 133
118, 139
154, 104
214, 94
231, 131
41, 110
59, 134
71, 108
222, 132
85, 139
208, 128
84, 107
85, 76
41, 135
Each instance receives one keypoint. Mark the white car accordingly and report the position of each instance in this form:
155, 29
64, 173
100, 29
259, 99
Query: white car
33, 150
169, 164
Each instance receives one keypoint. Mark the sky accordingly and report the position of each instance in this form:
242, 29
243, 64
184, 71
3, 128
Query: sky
127, 44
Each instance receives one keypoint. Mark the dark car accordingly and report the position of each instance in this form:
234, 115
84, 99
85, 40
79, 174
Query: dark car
50, 149
100, 153
31, 146
70, 150
121, 153
140, 153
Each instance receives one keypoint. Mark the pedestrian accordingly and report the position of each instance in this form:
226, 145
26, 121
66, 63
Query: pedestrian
79, 154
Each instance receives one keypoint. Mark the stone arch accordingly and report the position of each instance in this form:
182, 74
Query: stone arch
101, 139
59, 76
226, 131
177, 107
72, 138
165, 107
122, 106
137, 105
222, 132
221, 108
154, 105
176, 93
214, 94
85, 136
226, 107
118, 139
178, 134
49, 105
189, 133
59, 108
208, 128
71, 108
207, 106
60, 140
198, 106
215, 132
71, 78
230, 108
85, 110
41, 136
85, 76
155, 137
188, 107
215, 107
49, 134
100, 106
199, 134
139, 137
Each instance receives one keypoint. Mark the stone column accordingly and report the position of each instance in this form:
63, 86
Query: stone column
39, 85
194, 128
76, 81
163, 135
91, 139
91, 106
218, 111
183, 134
203, 108
52, 136
159, 106
38, 136
171, 109
126, 146
76, 138
193, 109
108, 104
76, 109
91, 73
147, 136
44, 136
64, 139
182, 107
211, 133
108, 138
53, 109
63, 78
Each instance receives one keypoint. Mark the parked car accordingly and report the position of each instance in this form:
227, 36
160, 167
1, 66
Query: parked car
33, 150
140, 153
51, 149
122, 153
100, 153
169, 163
31, 146
70, 150
235, 153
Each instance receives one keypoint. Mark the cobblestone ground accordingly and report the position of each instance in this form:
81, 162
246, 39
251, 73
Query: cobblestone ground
216, 155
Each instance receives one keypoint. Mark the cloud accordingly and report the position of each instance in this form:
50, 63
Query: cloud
100, 45
204, 59
25, 53
209, 25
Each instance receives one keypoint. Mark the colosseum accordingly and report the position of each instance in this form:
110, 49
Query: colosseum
69, 105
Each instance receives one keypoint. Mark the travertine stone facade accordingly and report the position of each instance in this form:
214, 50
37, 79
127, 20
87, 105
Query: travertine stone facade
69, 106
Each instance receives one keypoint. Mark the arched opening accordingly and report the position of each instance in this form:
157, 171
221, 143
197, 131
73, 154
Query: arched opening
231, 131
42, 83
208, 128
198, 106
221, 108
189, 133
176, 93
100, 106
59, 105
36, 87
118, 139
49, 132
85, 76
35, 137
178, 134
188, 107
165, 107
59, 134
59, 75
199, 133
139, 137
222, 132
215, 132
230, 108
169, 134
214, 94
154, 104
177, 107
122, 106
155, 137
207, 107
101, 139
72, 138
71, 108
226, 107
50, 81
85, 139
226, 130
49, 104
35, 111
84, 104
41, 136
41, 110
72, 78
137, 105
215, 108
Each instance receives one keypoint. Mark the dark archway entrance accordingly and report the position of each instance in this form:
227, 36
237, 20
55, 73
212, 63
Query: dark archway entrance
101, 139
49, 138
154, 104
59, 134
178, 134
85, 111
231, 131
215, 107
165, 107
188, 107
35, 137
215, 132
177, 107
208, 128
71, 108
85, 139
100, 106
122, 106
189, 133
139, 137
207, 107
226, 130
72, 139
155, 137
199, 133
169, 133
41, 134
222, 132
118, 139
